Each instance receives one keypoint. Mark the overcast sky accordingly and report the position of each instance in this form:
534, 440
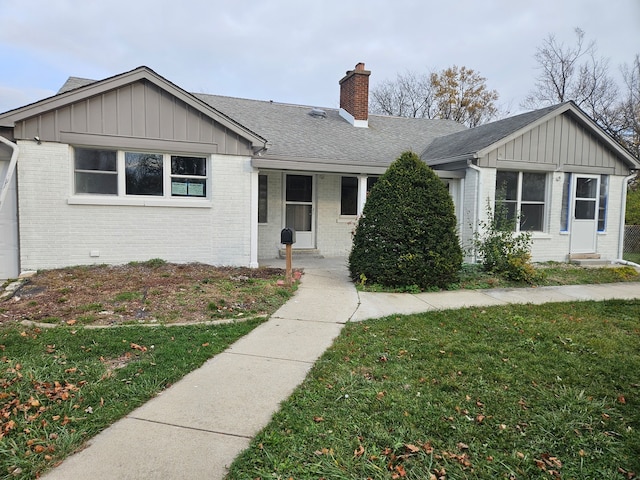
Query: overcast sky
295, 51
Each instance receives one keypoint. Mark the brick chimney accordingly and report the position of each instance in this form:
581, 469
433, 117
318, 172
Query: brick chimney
354, 96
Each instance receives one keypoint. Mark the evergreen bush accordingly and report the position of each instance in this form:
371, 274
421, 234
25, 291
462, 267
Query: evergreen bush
407, 236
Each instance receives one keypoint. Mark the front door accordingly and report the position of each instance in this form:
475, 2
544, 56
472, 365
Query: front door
584, 216
300, 209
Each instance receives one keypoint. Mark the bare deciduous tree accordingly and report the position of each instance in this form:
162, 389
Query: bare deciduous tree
455, 93
410, 95
577, 73
630, 107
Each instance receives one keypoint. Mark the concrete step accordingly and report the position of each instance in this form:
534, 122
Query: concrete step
590, 262
584, 256
301, 253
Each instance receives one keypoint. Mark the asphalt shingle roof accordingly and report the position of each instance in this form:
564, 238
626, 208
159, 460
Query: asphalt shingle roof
293, 133
475, 139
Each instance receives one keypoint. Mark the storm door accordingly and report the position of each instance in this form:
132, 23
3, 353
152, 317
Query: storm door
300, 209
584, 216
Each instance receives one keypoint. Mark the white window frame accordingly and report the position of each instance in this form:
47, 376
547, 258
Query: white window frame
519, 202
122, 198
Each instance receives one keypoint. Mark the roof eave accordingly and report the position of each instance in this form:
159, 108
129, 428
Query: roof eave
314, 165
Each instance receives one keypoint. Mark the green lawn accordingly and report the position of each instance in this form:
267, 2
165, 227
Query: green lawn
60, 386
632, 257
549, 391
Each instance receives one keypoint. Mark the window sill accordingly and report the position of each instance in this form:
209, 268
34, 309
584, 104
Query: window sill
139, 202
540, 236
347, 219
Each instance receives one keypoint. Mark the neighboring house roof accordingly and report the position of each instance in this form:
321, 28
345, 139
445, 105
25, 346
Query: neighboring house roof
75, 82
476, 142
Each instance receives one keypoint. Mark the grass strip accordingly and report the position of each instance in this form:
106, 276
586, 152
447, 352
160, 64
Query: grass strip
61, 386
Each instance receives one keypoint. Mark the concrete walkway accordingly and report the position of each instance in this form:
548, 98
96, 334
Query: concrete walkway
198, 426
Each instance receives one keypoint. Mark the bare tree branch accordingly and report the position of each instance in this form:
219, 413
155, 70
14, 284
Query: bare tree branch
458, 94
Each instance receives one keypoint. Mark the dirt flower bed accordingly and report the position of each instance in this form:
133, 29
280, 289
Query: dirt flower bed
147, 292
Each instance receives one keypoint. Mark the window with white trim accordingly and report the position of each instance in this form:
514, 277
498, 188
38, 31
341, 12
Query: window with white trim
602, 209
131, 174
523, 195
96, 171
262, 199
349, 196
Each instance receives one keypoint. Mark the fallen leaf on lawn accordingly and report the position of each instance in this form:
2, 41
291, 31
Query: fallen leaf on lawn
318, 419
71, 322
135, 346
463, 446
621, 399
380, 395
480, 418
401, 472
205, 344
358, 452
412, 448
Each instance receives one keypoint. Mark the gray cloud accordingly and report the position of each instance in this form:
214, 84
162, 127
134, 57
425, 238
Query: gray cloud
291, 50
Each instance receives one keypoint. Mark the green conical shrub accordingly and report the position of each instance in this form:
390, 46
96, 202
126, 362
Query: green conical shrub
407, 234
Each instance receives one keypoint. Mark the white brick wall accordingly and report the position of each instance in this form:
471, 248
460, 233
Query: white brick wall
334, 231
554, 245
269, 233
54, 233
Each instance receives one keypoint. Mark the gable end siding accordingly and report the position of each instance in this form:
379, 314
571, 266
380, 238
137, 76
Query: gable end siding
139, 110
558, 144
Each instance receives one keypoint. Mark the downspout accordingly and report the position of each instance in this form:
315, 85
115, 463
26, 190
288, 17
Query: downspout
4, 188
479, 186
623, 207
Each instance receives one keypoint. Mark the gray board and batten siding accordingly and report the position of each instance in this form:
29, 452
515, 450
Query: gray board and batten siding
139, 115
559, 137
560, 143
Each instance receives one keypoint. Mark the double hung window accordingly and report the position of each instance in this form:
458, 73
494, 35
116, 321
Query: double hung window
522, 195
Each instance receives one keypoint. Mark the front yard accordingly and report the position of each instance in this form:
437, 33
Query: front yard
513, 392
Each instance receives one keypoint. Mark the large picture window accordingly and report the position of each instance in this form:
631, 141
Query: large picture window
143, 173
523, 195
111, 172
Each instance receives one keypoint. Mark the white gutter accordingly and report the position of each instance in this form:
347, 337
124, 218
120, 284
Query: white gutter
476, 220
4, 188
626, 262
623, 207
